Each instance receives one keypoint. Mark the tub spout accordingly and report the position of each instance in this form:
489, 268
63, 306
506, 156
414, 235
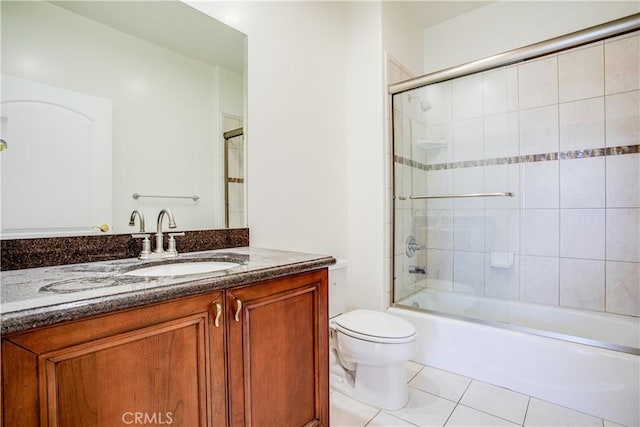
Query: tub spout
414, 269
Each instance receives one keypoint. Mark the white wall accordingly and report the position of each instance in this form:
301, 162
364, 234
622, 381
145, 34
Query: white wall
296, 120
505, 25
367, 233
402, 35
316, 132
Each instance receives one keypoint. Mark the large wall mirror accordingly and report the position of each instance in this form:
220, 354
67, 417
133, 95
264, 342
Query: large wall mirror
108, 107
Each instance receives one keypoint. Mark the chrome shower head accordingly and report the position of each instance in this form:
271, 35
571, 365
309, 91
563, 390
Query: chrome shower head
424, 104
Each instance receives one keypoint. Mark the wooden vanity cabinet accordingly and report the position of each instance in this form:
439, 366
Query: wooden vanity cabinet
278, 353
159, 364
254, 355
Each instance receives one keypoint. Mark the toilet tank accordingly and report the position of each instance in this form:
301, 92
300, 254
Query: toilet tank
337, 288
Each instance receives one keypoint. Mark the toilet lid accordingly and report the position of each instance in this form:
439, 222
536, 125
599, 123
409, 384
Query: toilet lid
375, 326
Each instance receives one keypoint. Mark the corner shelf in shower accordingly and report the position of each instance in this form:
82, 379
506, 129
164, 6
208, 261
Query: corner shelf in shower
427, 144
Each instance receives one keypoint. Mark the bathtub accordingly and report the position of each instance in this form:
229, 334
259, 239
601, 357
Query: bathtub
515, 346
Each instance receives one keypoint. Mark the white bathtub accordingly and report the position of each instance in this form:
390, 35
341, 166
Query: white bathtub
594, 380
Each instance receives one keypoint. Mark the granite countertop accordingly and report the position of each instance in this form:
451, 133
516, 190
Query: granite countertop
36, 297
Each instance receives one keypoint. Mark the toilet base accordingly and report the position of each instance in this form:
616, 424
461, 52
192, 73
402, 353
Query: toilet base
380, 386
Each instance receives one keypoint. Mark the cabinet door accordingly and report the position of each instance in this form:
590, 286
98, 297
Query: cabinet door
278, 352
156, 365
152, 376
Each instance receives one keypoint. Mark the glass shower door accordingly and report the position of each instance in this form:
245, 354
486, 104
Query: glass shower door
422, 227
234, 188
456, 213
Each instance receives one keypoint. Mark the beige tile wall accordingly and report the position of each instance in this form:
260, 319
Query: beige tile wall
544, 129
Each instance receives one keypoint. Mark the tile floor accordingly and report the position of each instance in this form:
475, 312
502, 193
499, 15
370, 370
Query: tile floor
440, 398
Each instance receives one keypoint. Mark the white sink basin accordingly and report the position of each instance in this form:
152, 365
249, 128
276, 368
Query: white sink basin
181, 268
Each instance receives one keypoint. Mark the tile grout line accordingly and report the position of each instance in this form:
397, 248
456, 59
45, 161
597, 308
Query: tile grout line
416, 374
526, 411
491, 414
458, 402
372, 418
465, 390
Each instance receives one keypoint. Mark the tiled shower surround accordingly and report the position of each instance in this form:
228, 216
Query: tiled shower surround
562, 133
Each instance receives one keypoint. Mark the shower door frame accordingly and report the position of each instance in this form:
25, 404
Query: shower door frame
596, 33
227, 136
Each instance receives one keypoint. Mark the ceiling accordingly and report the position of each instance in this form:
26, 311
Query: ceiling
182, 28
427, 13
172, 24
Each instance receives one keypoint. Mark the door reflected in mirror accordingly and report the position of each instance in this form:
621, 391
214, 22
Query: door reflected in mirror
104, 100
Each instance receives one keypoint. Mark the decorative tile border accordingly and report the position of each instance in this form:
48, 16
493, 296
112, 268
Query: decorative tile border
625, 149
530, 158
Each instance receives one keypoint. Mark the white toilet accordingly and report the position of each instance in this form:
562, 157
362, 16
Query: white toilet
368, 349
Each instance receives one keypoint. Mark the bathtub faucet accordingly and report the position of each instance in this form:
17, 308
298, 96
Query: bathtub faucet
414, 269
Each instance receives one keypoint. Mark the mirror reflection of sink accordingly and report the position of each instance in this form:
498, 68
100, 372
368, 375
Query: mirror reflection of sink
181, 268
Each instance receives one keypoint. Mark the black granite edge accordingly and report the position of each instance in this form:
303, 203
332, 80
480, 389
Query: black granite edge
24, 320
17, 254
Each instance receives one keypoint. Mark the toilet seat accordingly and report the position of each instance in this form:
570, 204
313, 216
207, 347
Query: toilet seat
375, 326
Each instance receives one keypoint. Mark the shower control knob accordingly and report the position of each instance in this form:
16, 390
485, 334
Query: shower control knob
411, 246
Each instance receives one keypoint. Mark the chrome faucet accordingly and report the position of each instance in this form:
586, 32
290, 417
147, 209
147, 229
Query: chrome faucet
132, 220
159, 236
159, 251
171, 251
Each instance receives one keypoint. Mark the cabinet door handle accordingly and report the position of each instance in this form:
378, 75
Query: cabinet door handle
238, 309
216, 322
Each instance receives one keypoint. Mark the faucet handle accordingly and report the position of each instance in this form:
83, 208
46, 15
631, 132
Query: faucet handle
172, 241
146, 245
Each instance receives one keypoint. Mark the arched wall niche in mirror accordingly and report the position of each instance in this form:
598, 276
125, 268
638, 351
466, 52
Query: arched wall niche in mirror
103, 100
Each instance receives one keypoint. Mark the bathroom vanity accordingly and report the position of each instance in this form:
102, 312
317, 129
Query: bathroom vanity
89, 344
